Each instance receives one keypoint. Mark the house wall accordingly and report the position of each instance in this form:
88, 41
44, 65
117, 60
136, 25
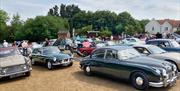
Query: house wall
168, 26
150, 25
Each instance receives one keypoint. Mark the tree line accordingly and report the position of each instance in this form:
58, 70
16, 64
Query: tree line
68, 17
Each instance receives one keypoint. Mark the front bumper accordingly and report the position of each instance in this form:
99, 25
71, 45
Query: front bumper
19, 72
164, 83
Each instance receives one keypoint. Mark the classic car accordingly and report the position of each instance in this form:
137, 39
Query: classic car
166, 44
132, 41
13, 64
50, 56
85, 51
126, 63
158, 53
105, 43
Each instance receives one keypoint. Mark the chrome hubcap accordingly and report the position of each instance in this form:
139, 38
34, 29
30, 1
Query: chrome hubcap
139, 81
49, 65
88, 69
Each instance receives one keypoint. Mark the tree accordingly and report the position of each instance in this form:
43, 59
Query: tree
84, 30
105, 32
3, 27
16, 25
42, 27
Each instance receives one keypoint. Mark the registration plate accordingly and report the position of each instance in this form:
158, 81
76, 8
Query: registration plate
16, 75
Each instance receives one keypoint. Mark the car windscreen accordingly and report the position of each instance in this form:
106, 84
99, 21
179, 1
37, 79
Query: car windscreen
51, 50
7, 52
156, 50
175, 44
128, 54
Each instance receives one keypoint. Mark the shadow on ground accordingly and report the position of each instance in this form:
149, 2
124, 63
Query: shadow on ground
114, 83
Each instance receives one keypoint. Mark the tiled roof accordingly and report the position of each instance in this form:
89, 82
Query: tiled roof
174, 23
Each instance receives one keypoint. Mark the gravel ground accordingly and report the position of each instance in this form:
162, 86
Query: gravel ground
69, 79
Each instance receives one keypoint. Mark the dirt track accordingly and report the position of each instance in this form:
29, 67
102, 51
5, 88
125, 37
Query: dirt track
69, 79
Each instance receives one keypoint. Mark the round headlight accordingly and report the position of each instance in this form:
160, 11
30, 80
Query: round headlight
164, 72
25, 67
54, 59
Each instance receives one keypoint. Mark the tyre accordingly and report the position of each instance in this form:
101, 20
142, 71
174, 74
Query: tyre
87, 70
85, 53
70, 64
27, 74
49, 65
140, 81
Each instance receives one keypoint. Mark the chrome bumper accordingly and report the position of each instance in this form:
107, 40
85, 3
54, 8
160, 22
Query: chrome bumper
164, 83
61, 63
6, 75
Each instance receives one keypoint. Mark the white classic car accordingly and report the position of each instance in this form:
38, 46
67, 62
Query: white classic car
13, 64
158, 53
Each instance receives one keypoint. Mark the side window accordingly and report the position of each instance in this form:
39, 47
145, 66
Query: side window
164, 44
35, 51
111, 54
152, 42
142, 50
98, 54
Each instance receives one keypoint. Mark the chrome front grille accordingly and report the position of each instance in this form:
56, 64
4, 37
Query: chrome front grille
14, 69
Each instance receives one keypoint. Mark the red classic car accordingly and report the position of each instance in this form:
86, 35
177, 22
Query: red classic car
85, 51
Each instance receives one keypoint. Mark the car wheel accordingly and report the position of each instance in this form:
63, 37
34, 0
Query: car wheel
27, 74
87, 70
85, 53
49, 65
70, 64
140, 81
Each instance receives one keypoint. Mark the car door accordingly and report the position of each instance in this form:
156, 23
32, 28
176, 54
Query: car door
97, 59
111, 63
35, 54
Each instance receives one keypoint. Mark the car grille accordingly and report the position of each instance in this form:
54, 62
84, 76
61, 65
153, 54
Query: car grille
14, 69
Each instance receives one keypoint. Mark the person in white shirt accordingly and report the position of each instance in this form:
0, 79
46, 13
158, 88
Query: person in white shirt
5, 44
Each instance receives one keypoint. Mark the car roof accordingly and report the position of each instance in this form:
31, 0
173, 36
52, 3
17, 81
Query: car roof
161, 40
141, 45
118, 48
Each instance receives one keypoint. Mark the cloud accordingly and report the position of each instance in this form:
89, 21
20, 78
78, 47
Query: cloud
139, 9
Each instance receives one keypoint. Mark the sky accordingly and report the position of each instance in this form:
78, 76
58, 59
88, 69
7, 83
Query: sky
139, 9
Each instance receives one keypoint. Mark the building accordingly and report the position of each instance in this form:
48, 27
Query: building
162, 26
63, 34
92, 34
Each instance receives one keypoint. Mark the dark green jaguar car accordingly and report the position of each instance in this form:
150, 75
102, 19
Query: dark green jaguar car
126, 63
51, 56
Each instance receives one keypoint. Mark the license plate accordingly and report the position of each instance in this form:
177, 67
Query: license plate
16, 75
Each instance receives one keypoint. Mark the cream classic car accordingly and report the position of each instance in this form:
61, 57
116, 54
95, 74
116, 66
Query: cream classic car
13, 64
158, 53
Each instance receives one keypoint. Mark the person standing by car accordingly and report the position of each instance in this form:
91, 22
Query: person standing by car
46, 42
5, 44
25, 46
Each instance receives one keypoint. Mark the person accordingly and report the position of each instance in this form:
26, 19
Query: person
14, 44
5, 44
25, 46
158, 35
46, 42
86, 43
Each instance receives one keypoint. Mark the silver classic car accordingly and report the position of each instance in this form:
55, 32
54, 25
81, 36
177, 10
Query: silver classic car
158, 53
13, 64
